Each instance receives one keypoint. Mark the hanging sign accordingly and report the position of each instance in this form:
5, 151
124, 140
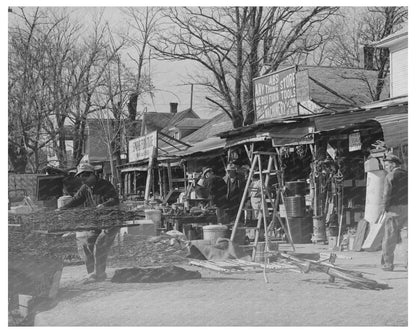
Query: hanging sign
275, 95
354, 141
141, 148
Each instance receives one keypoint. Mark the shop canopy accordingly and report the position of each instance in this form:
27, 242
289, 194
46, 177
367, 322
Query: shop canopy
393, 120
209, 145
281, 134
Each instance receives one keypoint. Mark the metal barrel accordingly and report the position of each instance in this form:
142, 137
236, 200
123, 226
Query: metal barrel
296, 188
295, 206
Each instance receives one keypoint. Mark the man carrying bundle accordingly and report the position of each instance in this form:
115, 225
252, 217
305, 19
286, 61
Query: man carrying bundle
96, 243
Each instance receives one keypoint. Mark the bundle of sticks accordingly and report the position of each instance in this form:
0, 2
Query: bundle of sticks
78, 219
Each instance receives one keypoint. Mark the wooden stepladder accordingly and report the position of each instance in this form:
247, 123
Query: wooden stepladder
268, 204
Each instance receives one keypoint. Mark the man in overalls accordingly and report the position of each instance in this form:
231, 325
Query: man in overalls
96, 243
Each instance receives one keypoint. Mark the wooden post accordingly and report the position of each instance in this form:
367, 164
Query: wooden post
170, 177
243, 199
160, 175
149, 174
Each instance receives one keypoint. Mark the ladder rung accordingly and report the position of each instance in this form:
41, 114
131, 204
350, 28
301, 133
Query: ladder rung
266, 172
265, 153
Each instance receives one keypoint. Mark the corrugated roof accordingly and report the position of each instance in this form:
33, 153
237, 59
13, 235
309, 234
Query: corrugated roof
341, 87
214, 126
353, 118
395, 129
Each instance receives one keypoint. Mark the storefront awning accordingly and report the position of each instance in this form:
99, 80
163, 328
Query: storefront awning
393, 121
395, 129
349, 119
232, 142
208, 145
298, 134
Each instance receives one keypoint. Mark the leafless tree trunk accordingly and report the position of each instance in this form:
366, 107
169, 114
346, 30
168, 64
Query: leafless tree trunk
358, 28
217, 37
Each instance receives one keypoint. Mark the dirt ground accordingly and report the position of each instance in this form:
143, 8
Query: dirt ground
243, 299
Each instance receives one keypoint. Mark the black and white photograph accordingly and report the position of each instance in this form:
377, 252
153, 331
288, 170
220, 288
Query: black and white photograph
207, 165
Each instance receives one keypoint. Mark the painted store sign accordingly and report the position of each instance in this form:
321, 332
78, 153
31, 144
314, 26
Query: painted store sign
275, 95
142, 147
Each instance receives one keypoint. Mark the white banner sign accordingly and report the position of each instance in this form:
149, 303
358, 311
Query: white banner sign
141, 147
354, 141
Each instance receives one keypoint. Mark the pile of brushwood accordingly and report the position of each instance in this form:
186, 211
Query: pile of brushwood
79, 219
127, 250
135, 250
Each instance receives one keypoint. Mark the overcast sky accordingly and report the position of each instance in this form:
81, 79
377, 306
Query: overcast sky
169, 77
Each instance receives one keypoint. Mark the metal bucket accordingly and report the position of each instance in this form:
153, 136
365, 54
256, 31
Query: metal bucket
295, 206
296, 188
155, 215
62, 201
213, 232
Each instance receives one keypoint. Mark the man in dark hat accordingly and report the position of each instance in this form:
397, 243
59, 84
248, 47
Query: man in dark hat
395, 208
96, 243
235, 189
217, 190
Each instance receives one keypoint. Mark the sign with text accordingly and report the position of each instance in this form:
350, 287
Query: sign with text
141, 147
275, 95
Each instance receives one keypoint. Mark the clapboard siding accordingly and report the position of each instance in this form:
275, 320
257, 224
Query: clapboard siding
399, 73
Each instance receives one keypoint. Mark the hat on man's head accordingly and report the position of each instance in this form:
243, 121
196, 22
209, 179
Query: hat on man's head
231, 167
85, 167
392, 158
205, 170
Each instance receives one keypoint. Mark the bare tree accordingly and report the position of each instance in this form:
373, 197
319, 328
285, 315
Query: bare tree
143, 23
354, 32
226, 42
32, 37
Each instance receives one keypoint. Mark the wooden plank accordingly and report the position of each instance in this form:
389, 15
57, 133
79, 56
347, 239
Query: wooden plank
208, 265
375, 235
360, 235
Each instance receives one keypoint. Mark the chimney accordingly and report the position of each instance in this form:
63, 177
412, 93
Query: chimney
173, 107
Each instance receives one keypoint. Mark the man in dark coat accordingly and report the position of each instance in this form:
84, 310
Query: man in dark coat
96, 243
217, 190
395, 208
235, 189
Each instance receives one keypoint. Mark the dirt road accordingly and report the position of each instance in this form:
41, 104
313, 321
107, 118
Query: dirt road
289, 299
